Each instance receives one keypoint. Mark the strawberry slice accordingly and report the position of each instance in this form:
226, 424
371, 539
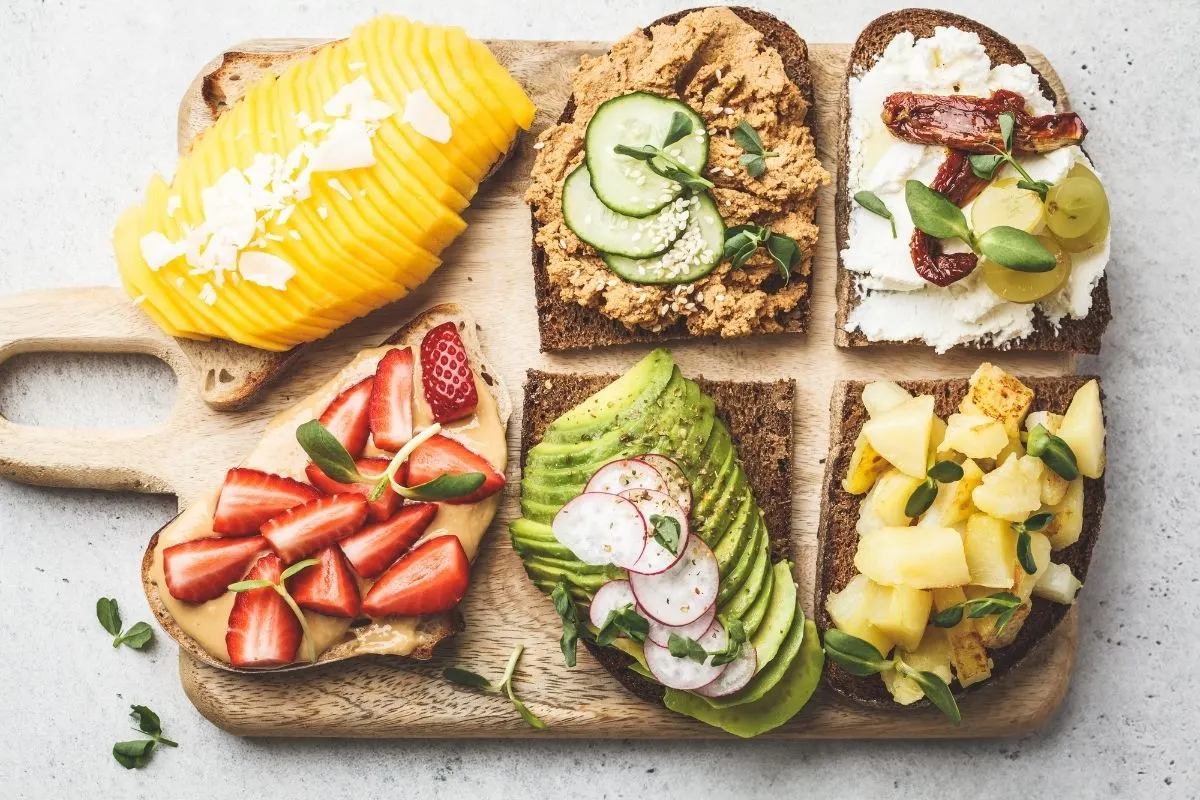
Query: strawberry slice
249, 498
379, 509
441, 455
430, 579
347, 416
446, 374
392, 400
375, 547
199, 570
328, 587
263, 631
301, 531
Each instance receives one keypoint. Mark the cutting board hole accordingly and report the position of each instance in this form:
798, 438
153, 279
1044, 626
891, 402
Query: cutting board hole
213, 377
86, 390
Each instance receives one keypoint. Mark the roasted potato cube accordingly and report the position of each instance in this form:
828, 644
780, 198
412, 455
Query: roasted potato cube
884, 505
1065, 528
991, 550
967, 654
901, 435
1058, 584
850, 608
1013, 490
996, 394
953, 503
974, 435
901, 613
1083, 429
917, 557
866, 466
880, 396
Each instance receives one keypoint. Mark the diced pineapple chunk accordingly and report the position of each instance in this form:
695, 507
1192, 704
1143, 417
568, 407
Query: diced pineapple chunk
1083, 429
1039, 548
991, 551
901, 435
996, 394
967, 654
986, 626
901, 613
1059, 584
849, 609
903, 690
1047, 419
974, 435
1054, 487
880, 396
932, 656
936, 434
1065, 528
883, 506
917, 557
1013, 490
953, 503
866, 466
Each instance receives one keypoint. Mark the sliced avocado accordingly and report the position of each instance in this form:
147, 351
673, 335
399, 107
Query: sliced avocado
780, 611
741, 568
737, 535
790, 694
529, 529
769, 674
632, 649
628, 394
528, 548
550, 563
538, 512
745, 596
754, 615
550, 574
717, 482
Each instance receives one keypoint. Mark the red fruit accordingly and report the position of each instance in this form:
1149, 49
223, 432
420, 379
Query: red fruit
263, 630
302, 531
392, 400
430, 579
379, 509
446, 374
441, 455
328, 587
200, 570
347, 416
375, 547
250, 497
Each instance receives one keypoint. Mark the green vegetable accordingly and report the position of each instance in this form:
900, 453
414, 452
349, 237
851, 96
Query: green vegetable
984, 165
667, 532
1025, 542
1015, 249
444, 487
139, 634
1002, 605
755, 158
624, 620
681, 126
860, 658
328, 453
926, 492
572, 624
1054, 452
464, 677
662, 163
871, 202
934, 214
136, 754
741, 241
934, 688
281, 589
683, 647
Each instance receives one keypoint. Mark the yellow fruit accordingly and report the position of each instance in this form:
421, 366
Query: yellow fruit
974, 435
967, 654
953, 503
1013, 490
901, 613
991, 550
849, 610
1058, 584
1039, 548
1005, 203
901, 435
988, 628
879, 396
503, 85
996, 394
1065, 528
1054, 486
884, 504
865, 467
1083, 429
1028, 287
933, 655
937, 433
917, 557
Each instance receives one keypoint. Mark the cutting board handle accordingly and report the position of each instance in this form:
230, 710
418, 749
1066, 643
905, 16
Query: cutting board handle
97, 319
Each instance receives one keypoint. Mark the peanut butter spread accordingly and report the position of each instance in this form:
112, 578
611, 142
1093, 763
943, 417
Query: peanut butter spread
722, 68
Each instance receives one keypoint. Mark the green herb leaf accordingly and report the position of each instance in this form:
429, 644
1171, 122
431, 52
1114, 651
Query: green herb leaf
643, 152
786, 253
681, 126
683, 647
755, 165
1039, 520
245, 586
299, 566
624, 620
135, 754
137, 637
736, 633
871, 202
949, 617
465, 677
109, 615
934, 214
1004, 604
935, 690
921, 498
327, 452
747, 138
1014, 248
984, 165
1054, 452
507, 683
946, 472
854, 655
1003, 619
566, 609
741, 241
1041, 187
445, 487
662, 163
667, 532
1007, 124
147, 720
1025, 552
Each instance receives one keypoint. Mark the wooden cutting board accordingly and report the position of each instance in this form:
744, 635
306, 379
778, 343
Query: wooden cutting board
488, 271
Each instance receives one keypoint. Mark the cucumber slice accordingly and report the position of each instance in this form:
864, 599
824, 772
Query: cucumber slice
694, 254
627, 185
610, 232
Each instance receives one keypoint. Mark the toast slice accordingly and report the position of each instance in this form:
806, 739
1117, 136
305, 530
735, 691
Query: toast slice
234, 374
565, 325
1072, 335
431, 629
759, 418
838, 537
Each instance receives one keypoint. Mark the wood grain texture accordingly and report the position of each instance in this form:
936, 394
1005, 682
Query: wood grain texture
488, 272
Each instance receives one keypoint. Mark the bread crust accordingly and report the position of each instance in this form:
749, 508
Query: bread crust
1073, 335
837, 537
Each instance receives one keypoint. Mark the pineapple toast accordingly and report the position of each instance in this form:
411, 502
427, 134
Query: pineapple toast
958, 520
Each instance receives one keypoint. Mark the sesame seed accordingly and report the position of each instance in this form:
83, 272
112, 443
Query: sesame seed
539, 145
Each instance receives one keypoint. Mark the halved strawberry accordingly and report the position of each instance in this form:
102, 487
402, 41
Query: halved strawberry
250, 497
347, 416
379, 509
441, 455
392, 400
328, 587
303, 530
375, 547
446, 374
430, 579
263, 631
200, 570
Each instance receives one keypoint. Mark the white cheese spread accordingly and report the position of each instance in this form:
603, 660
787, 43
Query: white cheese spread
895, 303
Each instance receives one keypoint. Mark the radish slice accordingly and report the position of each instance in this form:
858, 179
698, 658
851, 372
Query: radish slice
660, 634
656, 558
610, 597
677, 483
627, 473
684, 673
684, 592
736, 675
601, 529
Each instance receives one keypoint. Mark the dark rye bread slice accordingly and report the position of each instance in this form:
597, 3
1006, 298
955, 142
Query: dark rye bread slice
1073, 335
759, 418
569, 326
838, 539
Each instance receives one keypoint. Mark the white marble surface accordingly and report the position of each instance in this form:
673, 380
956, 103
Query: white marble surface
87, 108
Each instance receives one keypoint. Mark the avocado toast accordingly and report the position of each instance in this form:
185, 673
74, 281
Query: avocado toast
579, 429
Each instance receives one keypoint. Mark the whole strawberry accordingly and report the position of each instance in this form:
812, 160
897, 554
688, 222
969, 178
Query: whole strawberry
446, 374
